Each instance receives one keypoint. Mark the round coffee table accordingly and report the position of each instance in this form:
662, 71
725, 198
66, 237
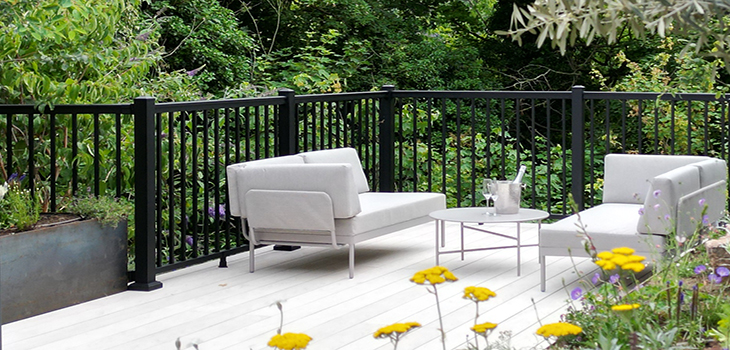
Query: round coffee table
479, 216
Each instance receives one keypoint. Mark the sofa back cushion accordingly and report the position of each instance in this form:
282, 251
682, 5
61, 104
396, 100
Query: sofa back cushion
627, 176
659, 214
711, 171
233, 180
340, 155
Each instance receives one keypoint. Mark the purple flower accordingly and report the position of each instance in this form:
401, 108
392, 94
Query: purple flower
722, 271
656, 206
192, 73
641, 211
595, 278
189, 240
667, 217
657, 193
681, 298
714, 278
700, 269
613, 279
12, 177
219, 211
706, 219
576, 293
702, 202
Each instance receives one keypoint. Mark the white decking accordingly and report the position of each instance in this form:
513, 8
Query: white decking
229, 308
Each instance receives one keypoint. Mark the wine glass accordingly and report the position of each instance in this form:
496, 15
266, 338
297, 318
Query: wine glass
495, 195
487, 191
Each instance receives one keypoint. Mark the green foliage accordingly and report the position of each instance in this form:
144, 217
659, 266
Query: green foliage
62, 51
19, 209
109, 211
562, 22
204, 40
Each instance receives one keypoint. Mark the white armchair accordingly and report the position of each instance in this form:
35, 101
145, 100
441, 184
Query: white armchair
645, 199
319, 198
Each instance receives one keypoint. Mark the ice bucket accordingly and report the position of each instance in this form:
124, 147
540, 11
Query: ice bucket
508, 200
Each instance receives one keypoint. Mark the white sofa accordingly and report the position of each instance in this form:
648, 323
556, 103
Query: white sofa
645, 198
319, 198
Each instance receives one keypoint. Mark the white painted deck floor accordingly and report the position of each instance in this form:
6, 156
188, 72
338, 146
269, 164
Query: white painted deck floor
230, 308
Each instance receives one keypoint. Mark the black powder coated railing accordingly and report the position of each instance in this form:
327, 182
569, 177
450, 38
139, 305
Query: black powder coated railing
442, 141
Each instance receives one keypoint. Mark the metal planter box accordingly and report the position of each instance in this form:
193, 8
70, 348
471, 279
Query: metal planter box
53, 267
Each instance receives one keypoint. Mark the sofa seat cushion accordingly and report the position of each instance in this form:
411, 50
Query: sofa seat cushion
609, 225
382, 209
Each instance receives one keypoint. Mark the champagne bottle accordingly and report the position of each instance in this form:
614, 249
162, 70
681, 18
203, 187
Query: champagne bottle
520, 174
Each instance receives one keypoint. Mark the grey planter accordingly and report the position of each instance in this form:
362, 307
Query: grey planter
54, 267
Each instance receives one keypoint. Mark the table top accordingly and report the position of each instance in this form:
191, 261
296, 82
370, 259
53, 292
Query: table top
479, 215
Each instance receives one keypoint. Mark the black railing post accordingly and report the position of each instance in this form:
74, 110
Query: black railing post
287, 124
144, 198
387, 141
578, 141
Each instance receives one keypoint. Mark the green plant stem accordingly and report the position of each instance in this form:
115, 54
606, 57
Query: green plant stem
441, 321
476, 318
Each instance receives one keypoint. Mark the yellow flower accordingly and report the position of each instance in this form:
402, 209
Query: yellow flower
633, 266
605, 255
484, 327
478, 293
434, 275
400, 328
636, 258
290, 341
623, 250
625, 307
558, 329
606, 264
619, 259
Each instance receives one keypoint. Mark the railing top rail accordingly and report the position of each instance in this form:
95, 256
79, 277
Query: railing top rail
215, 104
344, 96
483, 94
664, 96
69, 109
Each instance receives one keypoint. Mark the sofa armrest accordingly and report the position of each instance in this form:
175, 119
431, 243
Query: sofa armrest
691, 212
279, 211
660, 206
335, 180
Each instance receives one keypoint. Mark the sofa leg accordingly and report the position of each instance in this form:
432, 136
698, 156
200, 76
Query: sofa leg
250, 258
541, 259
352, 260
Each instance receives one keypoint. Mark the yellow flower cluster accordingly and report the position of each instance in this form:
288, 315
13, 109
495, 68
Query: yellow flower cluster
625, 307
434, 276
395, 328
558, 329
484, 327
290, 341
478, 293
620, 257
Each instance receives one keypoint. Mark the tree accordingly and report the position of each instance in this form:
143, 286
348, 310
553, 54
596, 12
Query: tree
703, 22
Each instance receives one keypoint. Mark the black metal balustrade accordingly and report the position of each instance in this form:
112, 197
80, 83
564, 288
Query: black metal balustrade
443, 141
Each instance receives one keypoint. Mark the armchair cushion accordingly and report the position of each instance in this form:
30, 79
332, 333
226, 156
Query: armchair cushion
232, 173
660, 205
711, 171
626, 178
335, 180
340, 155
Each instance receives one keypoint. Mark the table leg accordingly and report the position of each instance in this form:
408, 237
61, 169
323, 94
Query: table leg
518, 249
437, 240
462, 241
443, 233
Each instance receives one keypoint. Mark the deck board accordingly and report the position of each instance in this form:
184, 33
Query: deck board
229, 308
